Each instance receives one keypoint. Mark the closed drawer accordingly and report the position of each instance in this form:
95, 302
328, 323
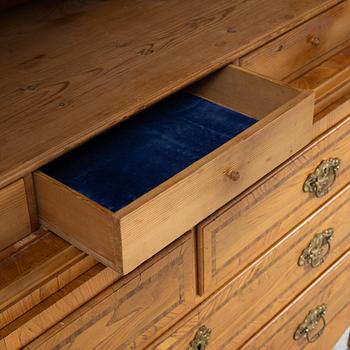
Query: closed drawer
14, 214
331, 292
330, 80
332, 115
34, 269
243, 230
42, 280
295, 49
130, 313
251, 299
101, 197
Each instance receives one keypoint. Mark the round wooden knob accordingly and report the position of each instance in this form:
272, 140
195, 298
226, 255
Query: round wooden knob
233, 174
315, 40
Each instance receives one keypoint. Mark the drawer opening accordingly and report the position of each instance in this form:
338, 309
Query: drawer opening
131, 191
132, 158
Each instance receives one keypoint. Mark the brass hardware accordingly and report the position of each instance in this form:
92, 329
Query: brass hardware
321, 180
315, 40
311, 321
201, 340
317, 250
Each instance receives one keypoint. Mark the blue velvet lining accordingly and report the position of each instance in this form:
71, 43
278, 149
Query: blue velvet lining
139, 154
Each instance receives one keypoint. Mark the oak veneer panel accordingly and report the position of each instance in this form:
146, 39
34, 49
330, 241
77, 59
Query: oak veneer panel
126, 238
245, 304
333, 289
78, 220
32, 272
134, 311
71, 69
331, 115
14, 214
330, 80
293, 50
31, 201
55, 307
241, 231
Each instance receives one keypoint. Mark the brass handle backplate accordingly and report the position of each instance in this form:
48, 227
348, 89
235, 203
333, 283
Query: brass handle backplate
201, 339
319, 247
321, 180
311, 321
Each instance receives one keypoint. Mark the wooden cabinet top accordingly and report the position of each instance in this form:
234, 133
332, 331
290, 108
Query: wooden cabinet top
71, 69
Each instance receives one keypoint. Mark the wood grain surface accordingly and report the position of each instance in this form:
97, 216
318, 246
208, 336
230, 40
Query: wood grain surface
331, 115
71, 69
132, 312
14, 214
239, 309
333, 289
302, 45
36, 269
330, 80
238, 233
125, 239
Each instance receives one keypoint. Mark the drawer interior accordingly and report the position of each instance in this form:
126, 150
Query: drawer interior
142, 184
139, 154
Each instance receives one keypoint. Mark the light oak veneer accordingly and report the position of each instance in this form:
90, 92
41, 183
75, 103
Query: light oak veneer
302, 45
241, 307
126, 238
237, 234
14, 214
71, 69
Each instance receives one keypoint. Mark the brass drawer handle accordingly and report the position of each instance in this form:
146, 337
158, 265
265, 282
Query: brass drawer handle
311, 321
201, 339
317, 250
321, 180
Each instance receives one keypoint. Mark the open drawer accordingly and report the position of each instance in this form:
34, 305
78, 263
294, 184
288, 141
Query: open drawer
131, 191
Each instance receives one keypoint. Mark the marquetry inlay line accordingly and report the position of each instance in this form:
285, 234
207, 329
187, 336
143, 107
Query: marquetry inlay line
215, 269
279, 296
219, 305
296, 315
111, 309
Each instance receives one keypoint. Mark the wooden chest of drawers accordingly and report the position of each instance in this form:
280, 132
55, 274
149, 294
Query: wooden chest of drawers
215, 217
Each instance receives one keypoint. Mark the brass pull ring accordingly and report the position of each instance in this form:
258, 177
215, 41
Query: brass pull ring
320, 181
201, 339
318, 249
314, 317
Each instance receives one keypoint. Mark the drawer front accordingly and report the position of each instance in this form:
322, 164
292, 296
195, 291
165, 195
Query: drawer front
331, 116
243, 230
301, 45
251, 299
332, 290
134, 311
14, 214
42, 280
134, 233
330, 80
